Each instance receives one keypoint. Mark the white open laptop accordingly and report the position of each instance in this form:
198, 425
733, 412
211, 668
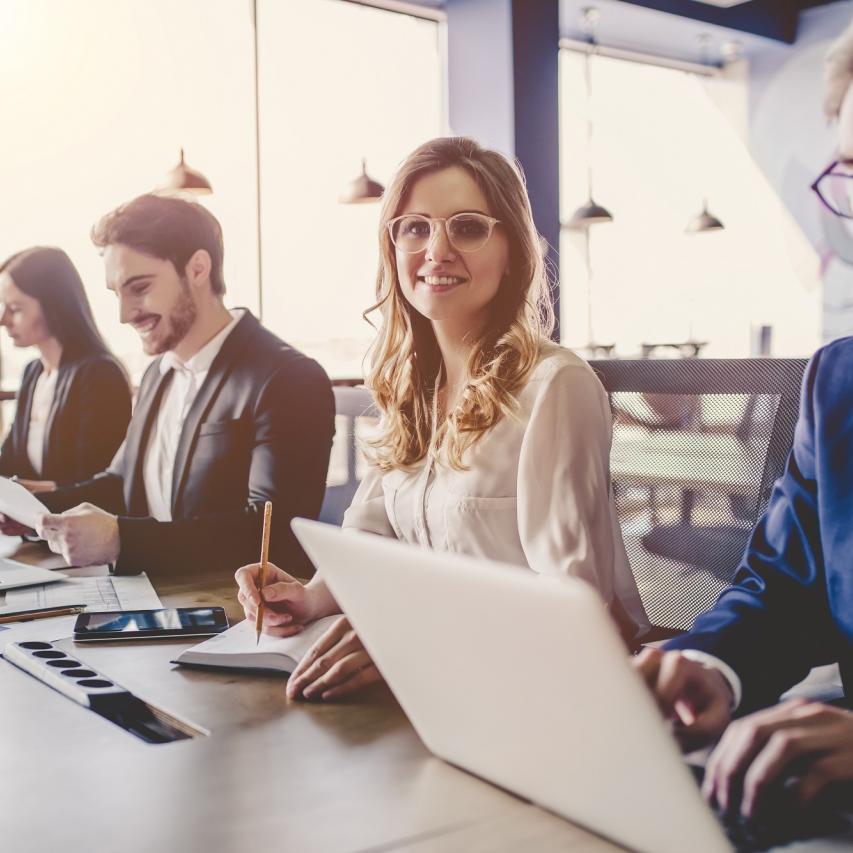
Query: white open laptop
522, 680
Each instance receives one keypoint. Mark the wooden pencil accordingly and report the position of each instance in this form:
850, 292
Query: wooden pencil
262, 579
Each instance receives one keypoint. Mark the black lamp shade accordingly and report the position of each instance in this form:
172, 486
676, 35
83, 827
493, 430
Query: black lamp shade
704, 222
184, 179
363, 190
589, 214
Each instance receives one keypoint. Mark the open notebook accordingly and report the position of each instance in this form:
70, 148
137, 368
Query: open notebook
236, 648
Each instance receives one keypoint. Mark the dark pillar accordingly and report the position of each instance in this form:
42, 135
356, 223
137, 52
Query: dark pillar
535, 59
502, 80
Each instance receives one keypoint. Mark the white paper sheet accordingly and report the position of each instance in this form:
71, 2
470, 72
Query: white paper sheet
239, 647
106, 592
14, 574
45, 630
20, 504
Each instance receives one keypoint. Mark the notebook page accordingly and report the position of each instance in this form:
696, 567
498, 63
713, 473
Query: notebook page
241, 640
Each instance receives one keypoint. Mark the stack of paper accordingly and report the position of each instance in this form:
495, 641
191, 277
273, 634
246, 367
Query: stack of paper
101, 593
20, 504
14, 575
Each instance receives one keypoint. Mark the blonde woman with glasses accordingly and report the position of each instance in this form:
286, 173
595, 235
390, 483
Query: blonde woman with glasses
494, 441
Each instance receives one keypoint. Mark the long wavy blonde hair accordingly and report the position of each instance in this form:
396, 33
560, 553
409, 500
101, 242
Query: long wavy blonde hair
405, 360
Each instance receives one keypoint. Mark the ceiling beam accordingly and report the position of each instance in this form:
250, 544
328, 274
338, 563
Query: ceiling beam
774, 19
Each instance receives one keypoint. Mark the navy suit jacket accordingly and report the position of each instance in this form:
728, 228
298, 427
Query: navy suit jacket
790, 606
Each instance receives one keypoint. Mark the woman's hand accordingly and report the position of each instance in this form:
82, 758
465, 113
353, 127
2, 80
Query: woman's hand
336, 665
288, 603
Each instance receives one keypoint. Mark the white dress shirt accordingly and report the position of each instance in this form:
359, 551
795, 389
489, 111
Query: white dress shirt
159, 463
536, 492
39, 413
713, 662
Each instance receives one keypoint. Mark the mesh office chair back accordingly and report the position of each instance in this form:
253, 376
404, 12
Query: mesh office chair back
354, 413
697, 446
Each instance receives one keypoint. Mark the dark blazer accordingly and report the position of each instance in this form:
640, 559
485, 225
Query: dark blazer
86, 423
260, 429
791, 603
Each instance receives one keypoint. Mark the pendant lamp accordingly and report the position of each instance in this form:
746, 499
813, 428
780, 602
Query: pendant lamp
184, 179
362, 190
704, 221
589, 213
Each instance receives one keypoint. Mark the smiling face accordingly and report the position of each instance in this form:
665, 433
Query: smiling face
152, 296
445, 285
21, 315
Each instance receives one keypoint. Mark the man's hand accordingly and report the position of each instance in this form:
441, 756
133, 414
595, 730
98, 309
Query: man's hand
336, 665
84, 536
798, 738
697, 698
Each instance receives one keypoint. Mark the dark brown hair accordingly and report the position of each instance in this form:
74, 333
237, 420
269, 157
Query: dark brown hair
168, 228
48, 275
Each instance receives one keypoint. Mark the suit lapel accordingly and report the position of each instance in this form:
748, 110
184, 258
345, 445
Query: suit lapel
138, 434
207, 394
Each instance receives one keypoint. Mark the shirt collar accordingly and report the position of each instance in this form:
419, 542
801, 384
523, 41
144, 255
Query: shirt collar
201, 361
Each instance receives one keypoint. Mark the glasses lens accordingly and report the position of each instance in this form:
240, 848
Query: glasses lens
468, 231
410, 233
836, 188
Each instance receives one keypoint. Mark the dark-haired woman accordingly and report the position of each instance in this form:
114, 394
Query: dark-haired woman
74, 401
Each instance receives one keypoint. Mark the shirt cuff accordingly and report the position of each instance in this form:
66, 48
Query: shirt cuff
712, 662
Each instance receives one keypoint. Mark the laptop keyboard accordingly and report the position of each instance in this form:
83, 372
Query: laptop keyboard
781, 821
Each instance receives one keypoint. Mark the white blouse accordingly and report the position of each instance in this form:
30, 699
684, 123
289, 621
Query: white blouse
39, 413
536, 493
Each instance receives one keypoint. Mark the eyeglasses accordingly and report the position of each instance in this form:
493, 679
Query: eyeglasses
466, 232
834, 187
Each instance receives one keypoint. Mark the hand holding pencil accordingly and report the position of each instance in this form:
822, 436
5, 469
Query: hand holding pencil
278, 603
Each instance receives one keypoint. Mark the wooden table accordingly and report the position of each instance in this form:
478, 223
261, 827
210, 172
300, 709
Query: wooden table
271, 775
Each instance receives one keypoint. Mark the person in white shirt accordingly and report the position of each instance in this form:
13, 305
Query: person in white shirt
494, 441
227, 417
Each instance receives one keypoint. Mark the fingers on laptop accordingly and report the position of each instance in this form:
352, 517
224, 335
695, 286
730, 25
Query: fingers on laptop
335, 666
758, 750
694, 696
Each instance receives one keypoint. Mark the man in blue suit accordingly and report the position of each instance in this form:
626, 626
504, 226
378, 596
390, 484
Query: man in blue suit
791, 603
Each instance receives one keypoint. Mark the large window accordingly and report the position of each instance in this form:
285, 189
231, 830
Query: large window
99, 96
98, 99
339, 82
661, 144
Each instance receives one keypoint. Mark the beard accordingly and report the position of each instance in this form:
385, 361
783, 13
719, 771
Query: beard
180, 320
